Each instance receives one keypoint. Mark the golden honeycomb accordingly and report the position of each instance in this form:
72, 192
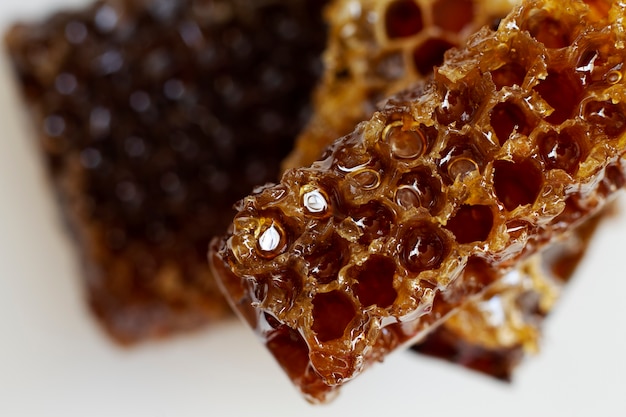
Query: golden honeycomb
492, 334
376, 48
518, 138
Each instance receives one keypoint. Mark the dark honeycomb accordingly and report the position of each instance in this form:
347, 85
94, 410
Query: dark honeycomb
352, 192
154, 117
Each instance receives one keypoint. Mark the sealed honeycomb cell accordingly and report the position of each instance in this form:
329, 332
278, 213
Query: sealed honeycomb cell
154, 118
436, 272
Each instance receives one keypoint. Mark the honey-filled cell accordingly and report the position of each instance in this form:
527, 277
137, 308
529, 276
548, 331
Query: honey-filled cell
517, 183
332, 312
429, 54
453, 15
471, 223
403, 18
374, 281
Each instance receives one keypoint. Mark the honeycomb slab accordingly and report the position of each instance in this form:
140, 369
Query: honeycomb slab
518, 138
154, 117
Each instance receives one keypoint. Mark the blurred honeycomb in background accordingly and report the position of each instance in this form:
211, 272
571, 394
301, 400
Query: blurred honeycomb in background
154, 117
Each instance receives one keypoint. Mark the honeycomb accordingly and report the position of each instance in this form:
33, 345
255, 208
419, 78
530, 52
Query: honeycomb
518, 138
139, 109
377, 48
492, 334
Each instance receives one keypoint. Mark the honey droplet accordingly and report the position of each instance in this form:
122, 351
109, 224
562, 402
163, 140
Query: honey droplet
613, 77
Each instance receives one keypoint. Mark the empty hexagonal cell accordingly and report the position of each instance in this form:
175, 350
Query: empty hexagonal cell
403, 18
429, 54
471, 223
507, 117
420, 189
563, 150
453, 15
516, 183
332, 312
562, 90
374, 281
423, 246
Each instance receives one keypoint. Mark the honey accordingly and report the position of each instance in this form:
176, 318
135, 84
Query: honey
488, 222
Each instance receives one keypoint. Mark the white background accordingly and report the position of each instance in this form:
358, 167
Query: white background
54, 360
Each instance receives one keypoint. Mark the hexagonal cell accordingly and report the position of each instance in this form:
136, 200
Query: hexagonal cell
552, 33
457, 107
406, 143
420, 189
461, 157
471, 223
423, 246
429, 54
327, 258
509, 75
283, 284
564, 150
562, 90
608, 117
516, 183
374, 220
453, 15
403, 18
332, 312
374, 281
507, 117
275, 232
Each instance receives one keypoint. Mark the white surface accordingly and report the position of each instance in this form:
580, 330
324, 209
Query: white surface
54, 361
